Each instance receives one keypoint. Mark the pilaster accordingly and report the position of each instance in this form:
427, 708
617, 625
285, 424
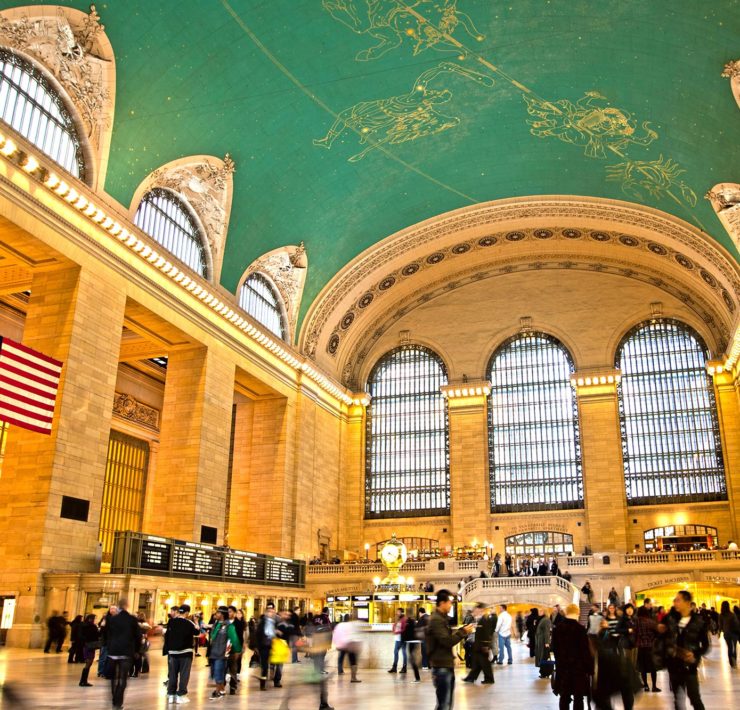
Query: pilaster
76, 317
601, 450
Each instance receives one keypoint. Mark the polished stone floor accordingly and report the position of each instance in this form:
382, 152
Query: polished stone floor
47, 681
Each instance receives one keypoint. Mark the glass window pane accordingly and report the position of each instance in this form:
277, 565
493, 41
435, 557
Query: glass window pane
33, 108
670, 435
407, 460
534, 442
261, 300
167, 219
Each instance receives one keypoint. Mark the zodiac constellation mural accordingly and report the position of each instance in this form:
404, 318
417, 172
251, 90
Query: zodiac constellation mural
401, 118
590, 122
392, 23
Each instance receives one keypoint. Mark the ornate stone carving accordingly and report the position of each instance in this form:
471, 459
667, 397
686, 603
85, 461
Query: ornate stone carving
286, 268
404, 248
126, 407
206, 183
73, 47
725, 199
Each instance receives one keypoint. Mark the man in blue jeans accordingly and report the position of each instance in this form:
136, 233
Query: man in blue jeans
503, 629
399, 626
440, 642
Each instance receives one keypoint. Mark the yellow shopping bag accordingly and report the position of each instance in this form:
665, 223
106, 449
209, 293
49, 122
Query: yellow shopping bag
279, 652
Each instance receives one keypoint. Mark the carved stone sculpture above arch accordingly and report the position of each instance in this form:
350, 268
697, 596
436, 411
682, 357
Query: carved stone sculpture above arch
72, 48
732, 72
725, 198
206, 184
375, 292
286, 268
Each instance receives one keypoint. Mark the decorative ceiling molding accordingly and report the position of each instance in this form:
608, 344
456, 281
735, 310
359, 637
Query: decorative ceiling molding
206, 183
73, 48
725, 198
732, 72
353, 357
286, 268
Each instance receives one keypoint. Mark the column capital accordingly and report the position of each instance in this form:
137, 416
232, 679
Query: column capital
474, 392
595, 381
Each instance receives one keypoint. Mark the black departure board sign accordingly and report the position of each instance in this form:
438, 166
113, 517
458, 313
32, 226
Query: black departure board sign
156, 554
148, 554
245, 565
280, 569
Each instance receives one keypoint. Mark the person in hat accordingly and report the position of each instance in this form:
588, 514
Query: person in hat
223, 639
178, 647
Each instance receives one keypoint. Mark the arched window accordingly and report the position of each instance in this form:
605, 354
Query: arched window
539, 543
670, 436
34, 109
261, 300
534, 443
168, 220
408, 454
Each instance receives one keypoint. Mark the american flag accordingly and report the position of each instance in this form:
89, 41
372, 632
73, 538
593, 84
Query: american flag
29, 382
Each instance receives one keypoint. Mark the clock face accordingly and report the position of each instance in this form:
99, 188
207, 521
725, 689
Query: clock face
389, 554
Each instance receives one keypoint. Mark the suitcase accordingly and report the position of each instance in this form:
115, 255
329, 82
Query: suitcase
547, 668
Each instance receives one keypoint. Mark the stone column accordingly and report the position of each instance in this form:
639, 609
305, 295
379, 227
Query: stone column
261, 515
189, 485
351, 522
727, 394
603, 468
470, 492
75, 316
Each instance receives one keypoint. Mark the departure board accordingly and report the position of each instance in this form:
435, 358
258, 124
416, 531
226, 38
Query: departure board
245, 565
149, 554
155, 554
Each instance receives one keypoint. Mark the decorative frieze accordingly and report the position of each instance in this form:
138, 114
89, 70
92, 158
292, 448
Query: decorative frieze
126, 407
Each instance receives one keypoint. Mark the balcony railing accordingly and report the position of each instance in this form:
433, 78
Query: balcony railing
441, 566
556, 585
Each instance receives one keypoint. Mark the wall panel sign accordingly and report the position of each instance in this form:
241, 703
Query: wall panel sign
138, 553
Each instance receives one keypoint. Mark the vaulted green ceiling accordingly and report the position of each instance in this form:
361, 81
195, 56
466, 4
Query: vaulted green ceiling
351, 119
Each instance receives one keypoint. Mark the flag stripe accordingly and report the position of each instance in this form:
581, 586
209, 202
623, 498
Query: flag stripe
29, 382
29, 379
8, 396
26, 423
13, 384
25, 361
34, 354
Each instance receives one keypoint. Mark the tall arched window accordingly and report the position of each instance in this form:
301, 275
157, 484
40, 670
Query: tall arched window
168, 220
408, 454
33, 108
261, 300
670, 436
534, 443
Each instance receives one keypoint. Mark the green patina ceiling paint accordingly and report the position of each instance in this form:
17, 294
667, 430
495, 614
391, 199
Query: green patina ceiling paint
351, 119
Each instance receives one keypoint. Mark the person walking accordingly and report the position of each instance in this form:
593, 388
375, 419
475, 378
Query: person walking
422, 621
56, 626
266, 632
593, 628
542, 641
588, 591
485, 629
75, 654
123, 639
413, 646
613, 597
321, 633
440, 642
346, 641
687, 641
235, 657
645, 631
178, 647
398, 644
531, 625
627, 630
519, 623
574, 663
503, 629
295, 621
223, 639
729, 625
90, 639
103, 656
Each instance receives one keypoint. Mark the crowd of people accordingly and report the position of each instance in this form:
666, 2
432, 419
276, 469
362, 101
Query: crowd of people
617, 652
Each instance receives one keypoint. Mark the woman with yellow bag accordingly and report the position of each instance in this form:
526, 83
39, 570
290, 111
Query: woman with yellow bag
280, 650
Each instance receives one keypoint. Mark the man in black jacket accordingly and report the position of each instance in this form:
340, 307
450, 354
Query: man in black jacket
482, 645
440, 641
123, 638
687, 641
178, 645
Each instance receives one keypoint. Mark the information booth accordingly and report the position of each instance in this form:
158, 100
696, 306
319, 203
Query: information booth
380, 607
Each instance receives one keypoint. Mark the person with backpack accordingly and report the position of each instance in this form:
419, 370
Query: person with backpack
223, 640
